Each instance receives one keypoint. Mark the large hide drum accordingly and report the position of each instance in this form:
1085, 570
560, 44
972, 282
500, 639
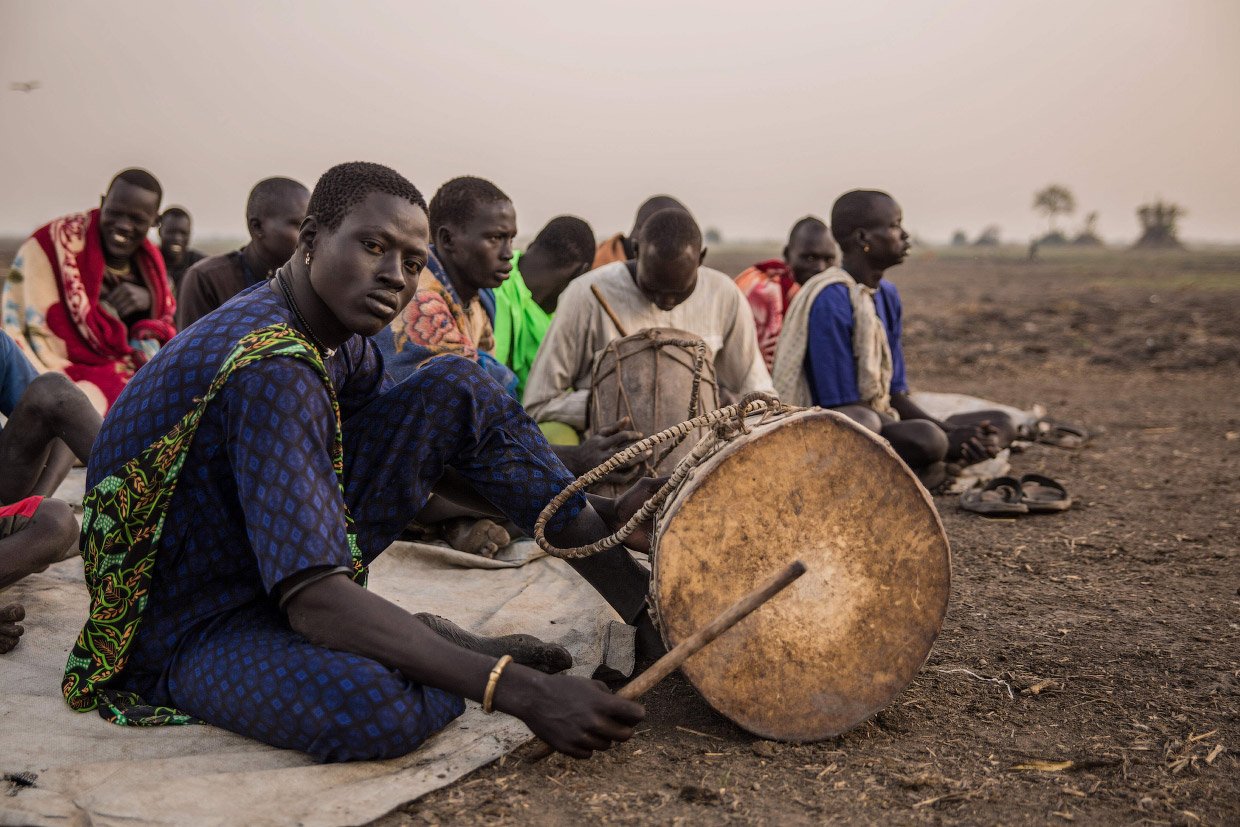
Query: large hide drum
649, 377
842, 641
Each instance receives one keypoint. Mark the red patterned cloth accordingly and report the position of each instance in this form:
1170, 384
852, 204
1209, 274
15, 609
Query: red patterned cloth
436, 323
769, 287
13, 518
52, 307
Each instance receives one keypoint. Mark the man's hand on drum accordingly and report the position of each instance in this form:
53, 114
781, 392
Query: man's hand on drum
600, 447
578, 716
628, 504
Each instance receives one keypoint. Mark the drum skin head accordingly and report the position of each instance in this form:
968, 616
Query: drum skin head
847, 637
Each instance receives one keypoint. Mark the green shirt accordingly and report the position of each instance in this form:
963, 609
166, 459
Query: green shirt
520, 324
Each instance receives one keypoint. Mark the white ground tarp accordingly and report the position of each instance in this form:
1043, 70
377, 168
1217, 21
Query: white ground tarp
85, 771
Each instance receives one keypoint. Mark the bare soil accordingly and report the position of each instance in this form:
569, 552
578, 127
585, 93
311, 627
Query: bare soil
1089, 666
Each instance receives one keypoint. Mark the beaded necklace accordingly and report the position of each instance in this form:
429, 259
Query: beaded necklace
292, 303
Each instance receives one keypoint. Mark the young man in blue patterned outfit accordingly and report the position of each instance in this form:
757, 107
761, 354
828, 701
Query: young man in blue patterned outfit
254, 620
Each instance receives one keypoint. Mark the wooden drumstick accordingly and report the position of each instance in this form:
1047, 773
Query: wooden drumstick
691, 645
611, 314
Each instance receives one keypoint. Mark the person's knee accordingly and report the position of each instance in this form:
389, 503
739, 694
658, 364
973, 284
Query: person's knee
863, 415
56, 518
373, 714
1005, 428
50, 536
454, 371
867, 418
452, 383
48, 394
918, 442
933, 442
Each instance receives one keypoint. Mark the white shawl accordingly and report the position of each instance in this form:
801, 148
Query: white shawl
871, 350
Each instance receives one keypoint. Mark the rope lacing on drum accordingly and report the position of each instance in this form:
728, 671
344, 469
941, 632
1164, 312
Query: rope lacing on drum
698, 346
695, 394
726, 423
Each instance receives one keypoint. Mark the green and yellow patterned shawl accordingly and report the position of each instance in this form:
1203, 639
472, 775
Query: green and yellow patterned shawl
123, 521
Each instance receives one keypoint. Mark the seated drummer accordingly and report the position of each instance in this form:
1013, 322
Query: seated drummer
296, 461
621, 247
840, 347
49, 420
665, 286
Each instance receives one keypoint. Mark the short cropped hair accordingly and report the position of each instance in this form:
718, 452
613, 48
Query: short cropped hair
809, 223
140, 178
456, 201
670, 231
267, 193
566, 239
344, 186
853, 211
652, 205
175, 212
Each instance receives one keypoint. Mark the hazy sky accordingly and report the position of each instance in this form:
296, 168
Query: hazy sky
754, 114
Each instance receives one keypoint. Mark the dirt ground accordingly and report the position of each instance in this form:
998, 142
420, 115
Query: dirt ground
1101, 644
1108, 636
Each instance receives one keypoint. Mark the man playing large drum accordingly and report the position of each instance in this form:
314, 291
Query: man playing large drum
250, 472
664, 287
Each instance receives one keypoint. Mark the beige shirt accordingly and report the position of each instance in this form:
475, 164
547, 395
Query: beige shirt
558, 388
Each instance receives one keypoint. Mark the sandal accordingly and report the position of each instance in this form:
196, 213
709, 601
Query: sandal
1000, 498
1065, 435
1042, 494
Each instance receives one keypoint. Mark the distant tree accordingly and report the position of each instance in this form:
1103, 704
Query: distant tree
959, 239
713, 236
1158, 224
1054, 200
1088, 236
989, 237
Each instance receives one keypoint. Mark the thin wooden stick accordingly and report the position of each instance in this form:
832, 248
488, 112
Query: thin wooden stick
611, 314
693, 644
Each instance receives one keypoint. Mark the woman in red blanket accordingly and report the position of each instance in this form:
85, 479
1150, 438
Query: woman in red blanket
88, 295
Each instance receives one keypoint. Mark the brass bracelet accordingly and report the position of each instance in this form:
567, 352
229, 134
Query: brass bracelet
489, 695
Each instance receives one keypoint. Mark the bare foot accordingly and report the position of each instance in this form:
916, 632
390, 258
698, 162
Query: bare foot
938, 477
972, 443
10, 627
526, 650
475, 536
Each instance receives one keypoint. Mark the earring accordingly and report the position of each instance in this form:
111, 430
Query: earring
865, 250
308, 256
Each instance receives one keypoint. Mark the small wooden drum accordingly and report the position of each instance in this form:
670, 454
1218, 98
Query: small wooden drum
847, 637
649, 377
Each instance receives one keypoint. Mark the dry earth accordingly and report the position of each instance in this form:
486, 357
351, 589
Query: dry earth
1104, 641
1101, 645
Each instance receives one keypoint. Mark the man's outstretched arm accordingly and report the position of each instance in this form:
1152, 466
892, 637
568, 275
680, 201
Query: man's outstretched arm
574, 715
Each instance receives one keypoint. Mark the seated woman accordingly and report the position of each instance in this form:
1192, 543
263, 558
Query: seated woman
250, 472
